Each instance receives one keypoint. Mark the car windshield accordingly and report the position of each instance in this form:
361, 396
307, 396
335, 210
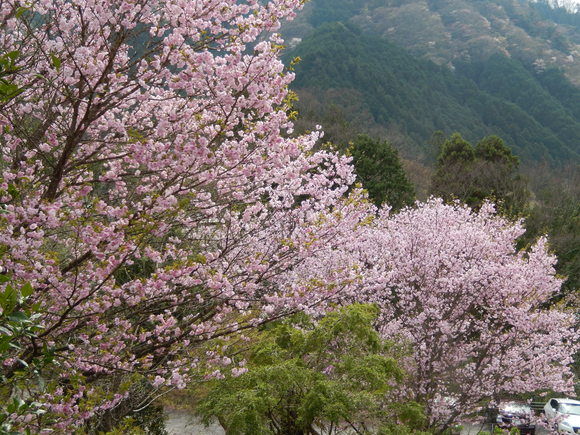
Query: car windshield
569, 408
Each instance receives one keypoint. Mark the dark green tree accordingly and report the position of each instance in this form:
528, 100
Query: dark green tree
379, 169
456, 150
309, 377
454, 169
493, 149
488, 171
498, 177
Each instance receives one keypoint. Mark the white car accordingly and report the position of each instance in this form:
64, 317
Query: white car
564, 414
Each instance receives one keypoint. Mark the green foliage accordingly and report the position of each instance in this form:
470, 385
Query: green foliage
378, 85
148, 421
457, 429
556, 213
151, 420
379, 170
555, 82
508, 79
494, 150
19, 322
324, 11
456, 150
305, 374
8, 67
488, 171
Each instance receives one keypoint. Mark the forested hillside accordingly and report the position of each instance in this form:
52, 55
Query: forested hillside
451, 31
374, 82
407, 69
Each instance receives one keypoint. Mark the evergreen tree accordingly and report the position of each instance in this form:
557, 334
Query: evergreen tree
380, 171
488, 171
305, 377
452, 178
498, 177
493, 149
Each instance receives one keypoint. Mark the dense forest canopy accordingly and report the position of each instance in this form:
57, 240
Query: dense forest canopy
447, 31
360, 74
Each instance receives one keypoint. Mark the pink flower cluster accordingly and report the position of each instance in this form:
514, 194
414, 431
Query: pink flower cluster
451, 282
149, 192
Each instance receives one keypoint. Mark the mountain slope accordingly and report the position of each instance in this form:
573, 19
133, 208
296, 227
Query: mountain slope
375, 82
452, 31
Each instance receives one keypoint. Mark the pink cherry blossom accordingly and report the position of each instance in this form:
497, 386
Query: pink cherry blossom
451, 282
159, 204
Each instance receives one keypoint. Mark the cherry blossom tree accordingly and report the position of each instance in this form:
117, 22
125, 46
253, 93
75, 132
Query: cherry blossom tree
152, 196
451, 282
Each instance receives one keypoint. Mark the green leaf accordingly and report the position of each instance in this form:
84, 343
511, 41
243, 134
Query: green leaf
15, 405
20, 11
13, 55
55, 61
26, 290
13, 191
18, 317
8, 299
4, 278
5, 344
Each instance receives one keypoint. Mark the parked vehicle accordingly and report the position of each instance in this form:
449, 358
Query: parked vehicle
563, 414
516, 415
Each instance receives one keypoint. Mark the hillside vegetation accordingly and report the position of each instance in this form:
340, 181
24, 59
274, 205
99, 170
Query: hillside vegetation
454, 31
376, 83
